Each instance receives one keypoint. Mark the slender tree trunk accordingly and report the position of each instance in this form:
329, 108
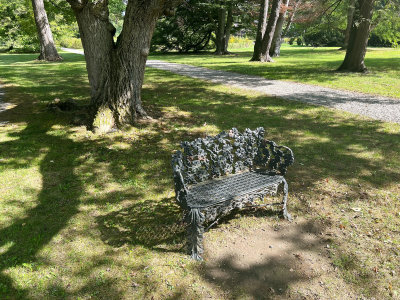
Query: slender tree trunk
358, 40
277, 39
350, 13
261, 27
291, 17
269, 32
228, 28
48, 50
219, 42
116, 70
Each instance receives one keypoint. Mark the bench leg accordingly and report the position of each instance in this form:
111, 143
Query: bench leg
195, 230
285, 213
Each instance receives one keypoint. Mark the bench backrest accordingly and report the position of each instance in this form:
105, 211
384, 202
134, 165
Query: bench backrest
230, 152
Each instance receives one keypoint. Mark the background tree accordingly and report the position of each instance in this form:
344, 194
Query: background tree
350, 13
48, 49
116, 68
261, 27
223, 28
359, 34
189, 29
291, 16
232, 16
277, 38
263, 55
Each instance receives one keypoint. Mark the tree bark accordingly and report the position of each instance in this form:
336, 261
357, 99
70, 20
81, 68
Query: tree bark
48, 50
358, 40
261, 27
228, 28
350, 13
219, 34
269, 32
277, 39
116, 69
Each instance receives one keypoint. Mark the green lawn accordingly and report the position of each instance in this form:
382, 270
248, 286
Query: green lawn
86, 216
308, 65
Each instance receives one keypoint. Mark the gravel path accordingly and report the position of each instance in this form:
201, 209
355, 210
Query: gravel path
376, 107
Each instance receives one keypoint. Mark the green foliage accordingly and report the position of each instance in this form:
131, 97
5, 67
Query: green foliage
377, 41
300, 41
193, 26
117, 10
17, 26
323, 23
189, 29
70, 42
327, 37
387, 22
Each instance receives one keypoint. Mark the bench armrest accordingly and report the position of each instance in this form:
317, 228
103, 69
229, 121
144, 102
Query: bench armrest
286, 159
275, 159
181, 190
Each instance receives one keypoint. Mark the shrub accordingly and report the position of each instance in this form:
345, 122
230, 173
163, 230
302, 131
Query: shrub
376, 41
71, 42
321, 38
237, 42
300, 41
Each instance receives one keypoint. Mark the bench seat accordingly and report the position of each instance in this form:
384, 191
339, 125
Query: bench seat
230, 187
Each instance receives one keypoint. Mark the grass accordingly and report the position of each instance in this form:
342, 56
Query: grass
92, 216
308, 65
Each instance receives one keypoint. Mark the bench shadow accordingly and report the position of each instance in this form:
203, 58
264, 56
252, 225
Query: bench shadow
157, 225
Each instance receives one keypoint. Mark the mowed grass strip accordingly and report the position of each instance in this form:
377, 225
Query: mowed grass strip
308, 65
93, 216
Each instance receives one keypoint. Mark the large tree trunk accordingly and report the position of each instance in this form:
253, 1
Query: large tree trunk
359, 34
48, 50
220, 30
269, 32
116, 69
350, 14
228, 28
261, 27
277, 39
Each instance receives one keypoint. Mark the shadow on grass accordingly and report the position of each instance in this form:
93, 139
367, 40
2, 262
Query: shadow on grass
325, 143
56, 203
266, 273
154, 224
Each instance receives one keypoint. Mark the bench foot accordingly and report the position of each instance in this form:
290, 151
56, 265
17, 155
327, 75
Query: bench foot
195, 229
285, 213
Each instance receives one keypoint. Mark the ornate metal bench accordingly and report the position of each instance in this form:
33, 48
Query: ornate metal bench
215, 175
